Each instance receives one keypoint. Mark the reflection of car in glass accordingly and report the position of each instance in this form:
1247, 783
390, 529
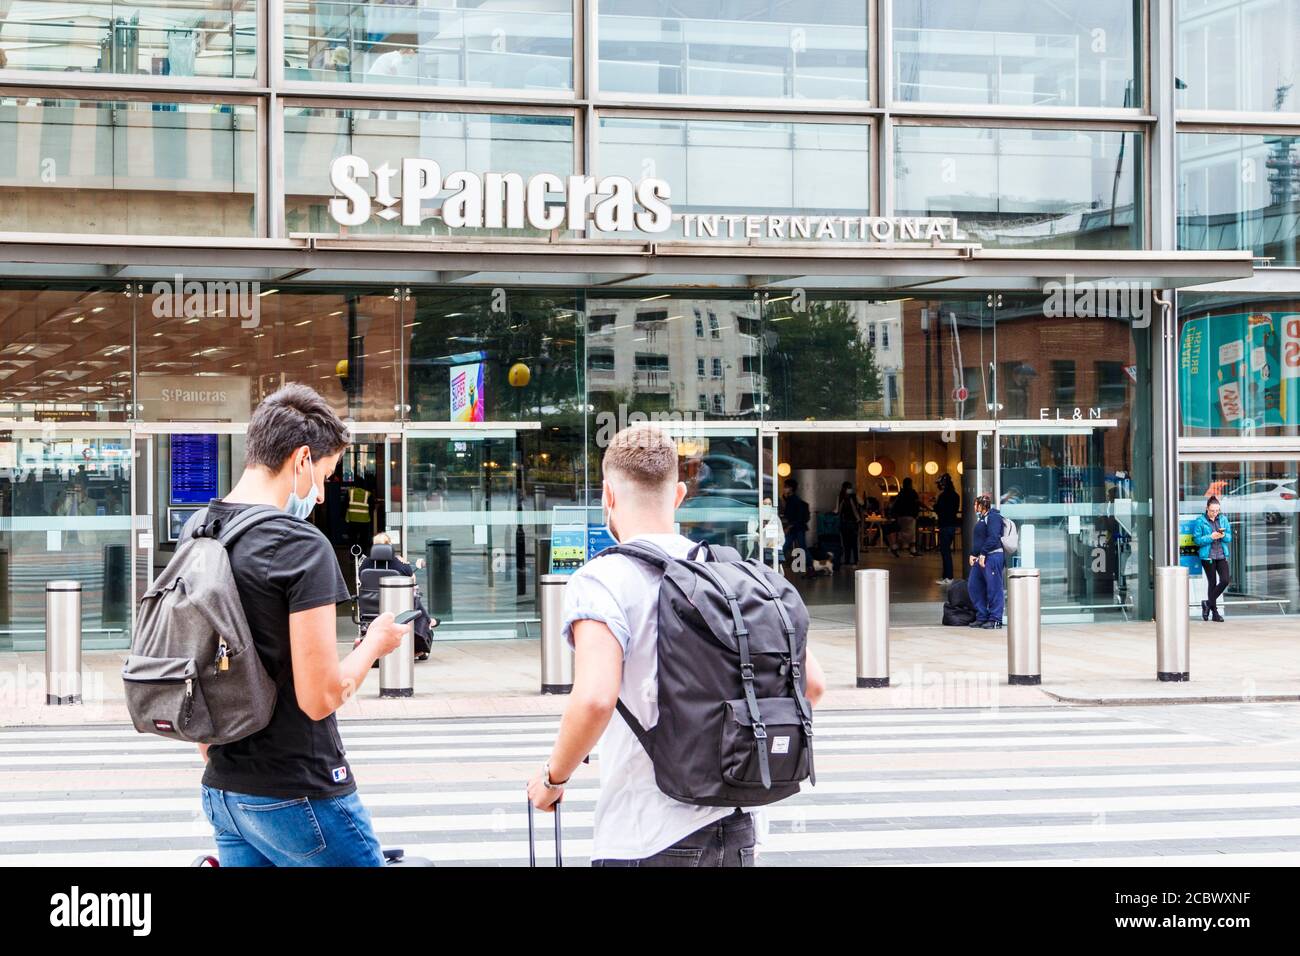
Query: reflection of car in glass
726, 471
719, 519
1271, 497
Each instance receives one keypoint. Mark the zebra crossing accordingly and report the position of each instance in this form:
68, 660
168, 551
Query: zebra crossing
988, 787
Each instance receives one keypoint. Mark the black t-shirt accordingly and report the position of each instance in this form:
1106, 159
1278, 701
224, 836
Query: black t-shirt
282, 566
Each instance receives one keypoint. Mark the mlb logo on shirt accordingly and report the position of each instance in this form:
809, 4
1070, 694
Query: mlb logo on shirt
339, 774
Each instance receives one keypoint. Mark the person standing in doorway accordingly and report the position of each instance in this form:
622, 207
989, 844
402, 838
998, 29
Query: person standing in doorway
946, 507
907, 505
986, 563
850, 515
1212, 533
794, 518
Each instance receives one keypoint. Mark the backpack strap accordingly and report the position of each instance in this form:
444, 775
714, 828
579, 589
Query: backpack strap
228, 533
642, 551
741, 633
246, 520
805, 708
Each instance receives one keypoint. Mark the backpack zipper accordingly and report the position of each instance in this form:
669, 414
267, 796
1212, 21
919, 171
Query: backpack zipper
188, 711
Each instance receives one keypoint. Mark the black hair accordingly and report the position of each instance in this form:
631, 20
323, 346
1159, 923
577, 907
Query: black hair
294, 416
1213, 500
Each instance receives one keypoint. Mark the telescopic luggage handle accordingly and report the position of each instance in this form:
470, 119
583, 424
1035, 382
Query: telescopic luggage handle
532, 842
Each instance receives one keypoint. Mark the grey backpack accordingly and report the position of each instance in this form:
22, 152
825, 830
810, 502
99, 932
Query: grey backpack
1010, 536
193, 672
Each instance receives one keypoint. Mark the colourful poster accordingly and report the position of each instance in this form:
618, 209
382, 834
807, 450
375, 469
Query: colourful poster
467, 393
1240, 372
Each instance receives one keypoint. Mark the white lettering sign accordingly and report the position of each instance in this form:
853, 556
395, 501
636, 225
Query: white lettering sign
584, 204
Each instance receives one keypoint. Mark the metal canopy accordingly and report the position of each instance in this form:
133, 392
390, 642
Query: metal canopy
533, 261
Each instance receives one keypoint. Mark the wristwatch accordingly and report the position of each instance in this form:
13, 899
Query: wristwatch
547, 782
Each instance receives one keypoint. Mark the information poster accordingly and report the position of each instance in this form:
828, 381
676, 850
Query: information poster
193, 469
467, 393
1240, 372
576, 537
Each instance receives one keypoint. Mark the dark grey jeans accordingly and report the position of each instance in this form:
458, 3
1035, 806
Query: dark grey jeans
725, 842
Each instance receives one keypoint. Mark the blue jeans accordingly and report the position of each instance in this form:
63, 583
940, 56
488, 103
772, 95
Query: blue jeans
725, 842
274, 831
986, 588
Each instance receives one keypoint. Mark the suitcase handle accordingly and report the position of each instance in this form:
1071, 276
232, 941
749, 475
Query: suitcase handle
532, 843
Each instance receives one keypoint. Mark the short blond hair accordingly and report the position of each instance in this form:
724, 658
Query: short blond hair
644, 455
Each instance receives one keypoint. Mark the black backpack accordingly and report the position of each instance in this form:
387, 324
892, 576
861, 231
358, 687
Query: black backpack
958, 608
735, 727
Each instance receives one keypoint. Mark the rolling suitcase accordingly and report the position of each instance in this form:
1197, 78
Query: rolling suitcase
532, 841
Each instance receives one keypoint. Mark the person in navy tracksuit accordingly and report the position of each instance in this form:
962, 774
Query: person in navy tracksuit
986, 563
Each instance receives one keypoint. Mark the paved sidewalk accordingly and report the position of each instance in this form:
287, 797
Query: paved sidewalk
1253, 659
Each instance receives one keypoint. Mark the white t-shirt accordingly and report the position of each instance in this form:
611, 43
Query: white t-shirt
634, 818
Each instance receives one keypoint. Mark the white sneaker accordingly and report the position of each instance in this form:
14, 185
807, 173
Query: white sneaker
943, 582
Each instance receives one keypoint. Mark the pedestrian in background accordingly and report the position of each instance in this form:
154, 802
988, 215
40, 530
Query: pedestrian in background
946, 507
850, 515
986, 562
1213, 534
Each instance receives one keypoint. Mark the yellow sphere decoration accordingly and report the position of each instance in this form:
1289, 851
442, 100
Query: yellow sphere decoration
519, 375
341, 369
932, 468
783, 469
874, 469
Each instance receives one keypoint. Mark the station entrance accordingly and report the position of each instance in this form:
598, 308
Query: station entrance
1077, 522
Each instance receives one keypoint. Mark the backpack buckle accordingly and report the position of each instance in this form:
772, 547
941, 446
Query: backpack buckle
747, 672
760, 732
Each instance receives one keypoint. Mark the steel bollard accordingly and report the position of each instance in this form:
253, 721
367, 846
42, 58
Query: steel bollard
1173, 648
1024, 626
557, 657
871, 624
63, 642
397, 670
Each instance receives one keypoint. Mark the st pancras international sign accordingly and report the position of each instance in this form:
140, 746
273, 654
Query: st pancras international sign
585, 205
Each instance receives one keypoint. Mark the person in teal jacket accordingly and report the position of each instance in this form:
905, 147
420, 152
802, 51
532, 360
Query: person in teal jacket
1212, 534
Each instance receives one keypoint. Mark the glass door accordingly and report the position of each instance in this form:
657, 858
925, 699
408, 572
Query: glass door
1079, 521
65, 513
481, 537
181, 467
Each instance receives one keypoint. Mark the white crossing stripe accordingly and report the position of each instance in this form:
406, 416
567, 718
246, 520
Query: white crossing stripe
1050, 814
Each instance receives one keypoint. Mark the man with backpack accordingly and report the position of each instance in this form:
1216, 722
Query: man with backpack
691, 646
987, 559
277, 790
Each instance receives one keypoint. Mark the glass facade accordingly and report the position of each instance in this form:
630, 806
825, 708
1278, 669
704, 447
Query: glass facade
737, 167
481, 407
1262, 505
1240, 191
1037, 55
1239, 365
179, 39
477, 142
520, 44
109, 166
1238, 55
1024, 188
806, 49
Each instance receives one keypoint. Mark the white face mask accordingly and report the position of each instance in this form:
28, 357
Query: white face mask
300, 507
604, 517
